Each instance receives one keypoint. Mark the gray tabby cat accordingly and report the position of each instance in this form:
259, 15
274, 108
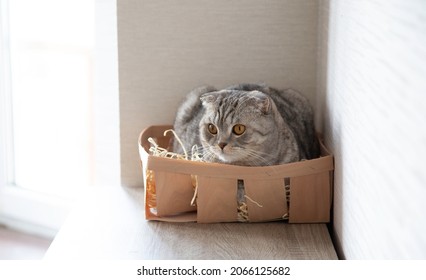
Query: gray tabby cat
247, 124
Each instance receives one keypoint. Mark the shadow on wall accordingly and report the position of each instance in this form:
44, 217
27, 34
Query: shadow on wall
330, 128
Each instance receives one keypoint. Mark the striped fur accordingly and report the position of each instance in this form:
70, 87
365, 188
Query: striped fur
279, 125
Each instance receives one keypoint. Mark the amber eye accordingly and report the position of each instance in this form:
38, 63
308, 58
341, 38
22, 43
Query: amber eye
212, 128
239, 129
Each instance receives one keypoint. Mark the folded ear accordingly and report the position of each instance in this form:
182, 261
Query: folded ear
261, 101
210, 98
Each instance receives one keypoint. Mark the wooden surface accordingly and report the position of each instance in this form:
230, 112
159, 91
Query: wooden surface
109, 224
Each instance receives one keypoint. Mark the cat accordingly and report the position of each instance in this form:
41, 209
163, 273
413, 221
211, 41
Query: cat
247, 124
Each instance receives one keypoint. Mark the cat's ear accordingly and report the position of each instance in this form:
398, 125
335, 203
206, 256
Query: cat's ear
210, 98
262, 101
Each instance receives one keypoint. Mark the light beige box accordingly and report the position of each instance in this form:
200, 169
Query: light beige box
299, 192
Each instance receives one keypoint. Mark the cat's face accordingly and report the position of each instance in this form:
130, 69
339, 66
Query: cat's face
237, 127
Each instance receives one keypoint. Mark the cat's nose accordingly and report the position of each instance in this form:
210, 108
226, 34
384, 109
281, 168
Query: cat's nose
222, 145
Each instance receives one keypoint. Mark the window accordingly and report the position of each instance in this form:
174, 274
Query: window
59, 124
51, 64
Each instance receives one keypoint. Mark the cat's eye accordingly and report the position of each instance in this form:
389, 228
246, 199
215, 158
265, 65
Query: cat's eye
212, 128
239, 129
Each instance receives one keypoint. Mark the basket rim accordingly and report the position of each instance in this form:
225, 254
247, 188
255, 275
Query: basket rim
324, 163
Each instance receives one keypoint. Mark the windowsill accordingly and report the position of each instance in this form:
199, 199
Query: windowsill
31, 212
109, 223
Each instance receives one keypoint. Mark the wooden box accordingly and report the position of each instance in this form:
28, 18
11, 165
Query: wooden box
299, 192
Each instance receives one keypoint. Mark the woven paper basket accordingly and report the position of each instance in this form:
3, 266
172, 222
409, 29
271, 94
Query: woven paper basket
170, 186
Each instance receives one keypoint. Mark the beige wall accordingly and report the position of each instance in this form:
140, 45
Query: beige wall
166, 48
372, 96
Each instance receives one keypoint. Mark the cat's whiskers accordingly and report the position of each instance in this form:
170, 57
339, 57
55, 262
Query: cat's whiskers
253, 157
250, 157
208, 155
